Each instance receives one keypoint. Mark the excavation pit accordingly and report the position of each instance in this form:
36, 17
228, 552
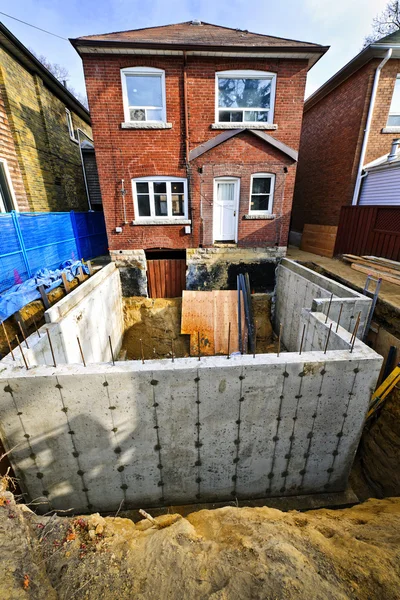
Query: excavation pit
183, 430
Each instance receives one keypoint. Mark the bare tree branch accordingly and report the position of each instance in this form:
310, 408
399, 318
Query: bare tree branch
385, 23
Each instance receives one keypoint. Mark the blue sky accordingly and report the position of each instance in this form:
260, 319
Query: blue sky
341, 24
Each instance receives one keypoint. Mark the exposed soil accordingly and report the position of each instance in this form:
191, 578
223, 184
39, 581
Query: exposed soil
158, 321
226, 554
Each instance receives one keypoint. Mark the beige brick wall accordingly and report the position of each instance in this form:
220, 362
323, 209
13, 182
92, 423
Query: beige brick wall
49, 161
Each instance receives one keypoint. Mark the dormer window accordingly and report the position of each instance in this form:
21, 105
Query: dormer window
143, 95
245, 97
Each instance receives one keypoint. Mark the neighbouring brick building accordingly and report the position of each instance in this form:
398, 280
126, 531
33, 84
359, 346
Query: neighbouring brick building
348, 123
197, 129
41, 127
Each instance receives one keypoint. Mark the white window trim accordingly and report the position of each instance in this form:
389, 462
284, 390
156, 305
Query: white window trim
143, 71
228, 179
10, 187
393, 113
247, 74
70, 126
153, 216
271, 194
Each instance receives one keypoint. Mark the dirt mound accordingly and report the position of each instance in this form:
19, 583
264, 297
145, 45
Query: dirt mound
380, 449
229, 553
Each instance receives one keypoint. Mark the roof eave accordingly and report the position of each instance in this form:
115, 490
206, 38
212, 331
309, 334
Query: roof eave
23, 55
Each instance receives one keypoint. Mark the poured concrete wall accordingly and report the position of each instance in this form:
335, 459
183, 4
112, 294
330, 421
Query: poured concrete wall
92, 312
186, 431
298, 287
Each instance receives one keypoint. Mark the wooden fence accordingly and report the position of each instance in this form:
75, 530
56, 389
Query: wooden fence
369, 230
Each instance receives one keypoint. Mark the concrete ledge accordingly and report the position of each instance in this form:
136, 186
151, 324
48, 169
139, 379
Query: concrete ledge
259, 217
392, 129
56, 312
145, 125
269, 126
163, 222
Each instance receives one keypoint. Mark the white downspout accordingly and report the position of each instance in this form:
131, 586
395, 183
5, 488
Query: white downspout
368, 125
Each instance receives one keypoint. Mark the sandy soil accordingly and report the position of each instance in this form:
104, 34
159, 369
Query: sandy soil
226, 554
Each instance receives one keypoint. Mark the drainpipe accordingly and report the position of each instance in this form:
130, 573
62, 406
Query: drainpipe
79, 130
368, 125
186, 116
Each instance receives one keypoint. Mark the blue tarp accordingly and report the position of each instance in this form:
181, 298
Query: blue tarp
20, 295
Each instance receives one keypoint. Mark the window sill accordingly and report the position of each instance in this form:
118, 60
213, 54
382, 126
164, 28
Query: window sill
259, 217
269, 126
391, 129
163, 222
144, 125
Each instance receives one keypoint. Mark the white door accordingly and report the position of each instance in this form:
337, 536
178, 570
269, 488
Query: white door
226, 201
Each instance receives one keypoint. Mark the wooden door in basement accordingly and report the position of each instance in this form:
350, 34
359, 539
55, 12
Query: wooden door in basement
166, 277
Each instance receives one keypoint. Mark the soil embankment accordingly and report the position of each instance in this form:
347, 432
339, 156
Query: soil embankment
230, 553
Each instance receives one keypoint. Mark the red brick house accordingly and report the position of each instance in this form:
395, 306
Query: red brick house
197, 130
348, 124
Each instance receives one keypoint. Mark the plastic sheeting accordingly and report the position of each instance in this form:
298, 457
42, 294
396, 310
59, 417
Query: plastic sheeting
20, 295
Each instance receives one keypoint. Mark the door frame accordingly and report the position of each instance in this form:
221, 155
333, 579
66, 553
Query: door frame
231, 179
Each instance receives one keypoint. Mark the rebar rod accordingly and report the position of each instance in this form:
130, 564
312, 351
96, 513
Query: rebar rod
302, 338
8, 341
23, 334
340, 314
22, 353
327, 338
141, 350
111, 350
198, 344
329, 308
279, 338
229, 340
81, 351
172, 350
51, 347
36, 327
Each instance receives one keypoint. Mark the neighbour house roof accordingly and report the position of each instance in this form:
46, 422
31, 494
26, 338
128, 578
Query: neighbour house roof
32, 64
198, 37
226, 135
376, 50
383, 162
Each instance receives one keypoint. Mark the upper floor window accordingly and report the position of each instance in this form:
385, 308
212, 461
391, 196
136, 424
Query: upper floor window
143, 94
245, 96
262, 193
160, 198
394, 112
70, 124
7, 197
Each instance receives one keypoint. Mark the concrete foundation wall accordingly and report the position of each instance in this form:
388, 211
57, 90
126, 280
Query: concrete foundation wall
186, 431
298, 287
92, 312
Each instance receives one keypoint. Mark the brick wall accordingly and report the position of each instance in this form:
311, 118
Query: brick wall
127, 154
331, 142
49, 162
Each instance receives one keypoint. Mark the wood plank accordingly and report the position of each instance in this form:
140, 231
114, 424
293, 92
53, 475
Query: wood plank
320, 228
372, 265
198, 316
394, 263
376, 274
319, 239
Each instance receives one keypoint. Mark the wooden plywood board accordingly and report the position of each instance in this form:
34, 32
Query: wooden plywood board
376, 273
319, 239
206, 317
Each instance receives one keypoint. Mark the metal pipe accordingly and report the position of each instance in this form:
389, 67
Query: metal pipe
185, 108
79, 130
368, 125
8, 341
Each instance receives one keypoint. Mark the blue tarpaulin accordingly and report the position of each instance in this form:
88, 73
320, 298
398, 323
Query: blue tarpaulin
20, 295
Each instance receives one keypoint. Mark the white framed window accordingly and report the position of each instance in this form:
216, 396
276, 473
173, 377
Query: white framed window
394, 112
244, 96
143, 90
262, 187
8, 201
160, 198
70, 124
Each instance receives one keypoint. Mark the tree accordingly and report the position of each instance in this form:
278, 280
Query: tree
61, 73
385, 23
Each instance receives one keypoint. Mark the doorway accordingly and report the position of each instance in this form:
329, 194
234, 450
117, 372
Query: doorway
226, 208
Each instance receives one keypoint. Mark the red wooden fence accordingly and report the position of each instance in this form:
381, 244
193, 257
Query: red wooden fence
370, 230
166, 277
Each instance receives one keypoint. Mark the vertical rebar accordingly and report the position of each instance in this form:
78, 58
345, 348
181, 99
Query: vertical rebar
329, 308
327, 338
81, 351
255, 339
279, 338
36, 327
302, 338
51, 347
23, 334
22, 353
340, 314
172, 350
229, 340
111, 350
8, 341
355, 331
141, 350
198, 344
